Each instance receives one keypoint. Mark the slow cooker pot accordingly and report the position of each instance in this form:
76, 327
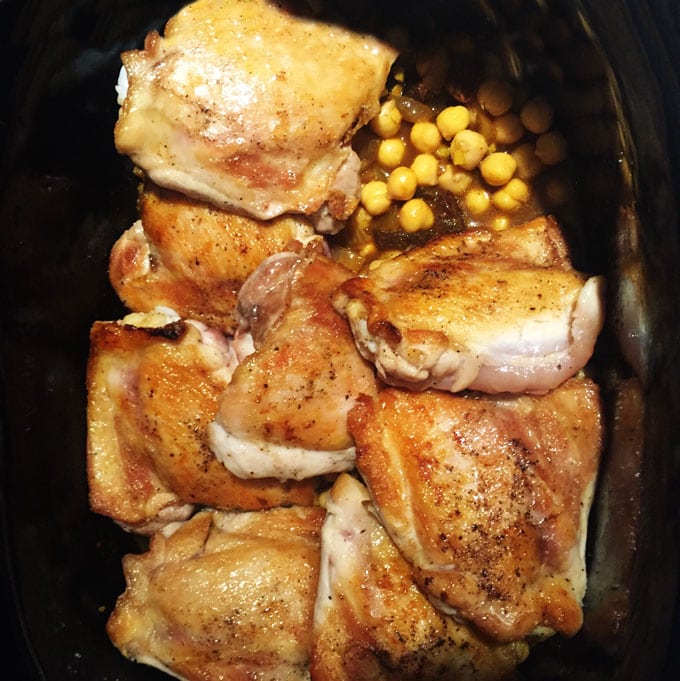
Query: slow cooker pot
66, 196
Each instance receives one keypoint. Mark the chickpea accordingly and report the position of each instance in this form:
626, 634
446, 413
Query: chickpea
454, 180
512, 196
368, 250
426, 168
415, 215
551, 148
500, 222
386, 123
425, 136
518, 190
558, 192
391, 152
498, 168
509, 128
503, 201
477, 201
528, 164
451, 120
485, 126
402, 184
537, 115
374, 197
495, 96
468, 148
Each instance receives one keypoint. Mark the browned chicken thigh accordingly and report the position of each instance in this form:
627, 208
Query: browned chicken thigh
193, 257
372, 475
490, 311
152, 390
284, 414
372, 622
224, 596
229, 107
487, 498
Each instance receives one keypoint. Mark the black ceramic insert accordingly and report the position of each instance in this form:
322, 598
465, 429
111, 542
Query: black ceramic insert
65, 196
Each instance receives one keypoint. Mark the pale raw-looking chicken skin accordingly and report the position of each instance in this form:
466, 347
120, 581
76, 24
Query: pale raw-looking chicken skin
371, 620
490, 311
488, 499
284, 413
224, 596
193, 257
247, 105
153, 388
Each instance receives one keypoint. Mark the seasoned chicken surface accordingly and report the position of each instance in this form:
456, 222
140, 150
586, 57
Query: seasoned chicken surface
224, 596
382, 476
284, 414
152, 390
490, 311
228, 106
371, 621
487, 498
193, 257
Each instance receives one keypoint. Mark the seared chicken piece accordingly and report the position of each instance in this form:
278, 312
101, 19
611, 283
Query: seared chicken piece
371, 621
284, 414
247, 105
224, 596
487, 498
152, 390
490, 311
192, 257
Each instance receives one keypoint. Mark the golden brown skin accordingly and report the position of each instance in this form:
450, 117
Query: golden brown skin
487, 498
193, 257
229, 107
483, 310
227, 596
151, 394
372, 622
296, 389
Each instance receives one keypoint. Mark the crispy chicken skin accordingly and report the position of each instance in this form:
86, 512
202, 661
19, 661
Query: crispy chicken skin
371, 620
151, 393
228, 106
487, 498
490, 311
193, 257
224, 596
284, 414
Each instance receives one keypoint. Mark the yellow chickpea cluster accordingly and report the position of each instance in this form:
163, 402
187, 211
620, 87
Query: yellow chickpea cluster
488, 166
481, 159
